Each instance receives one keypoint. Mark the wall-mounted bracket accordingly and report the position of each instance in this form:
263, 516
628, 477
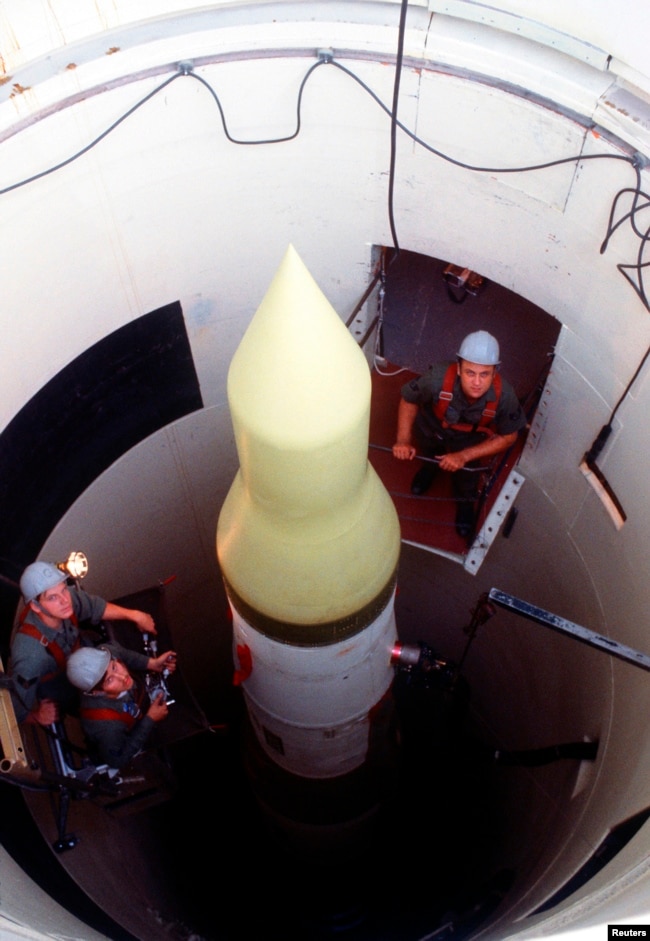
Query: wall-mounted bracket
557, 623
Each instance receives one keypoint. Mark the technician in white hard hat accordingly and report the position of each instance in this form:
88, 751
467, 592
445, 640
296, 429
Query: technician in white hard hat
46, 634
117, 716
462, 412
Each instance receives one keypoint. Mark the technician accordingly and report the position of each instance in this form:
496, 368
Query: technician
462, 413
116, 714
47, 633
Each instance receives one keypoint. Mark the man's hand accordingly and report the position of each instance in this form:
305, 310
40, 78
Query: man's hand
166, 661
144, 622
403, 452
45, 713
403, 448
158, 709
454, 461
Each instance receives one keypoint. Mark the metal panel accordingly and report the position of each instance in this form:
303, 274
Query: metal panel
494, 521
524, 27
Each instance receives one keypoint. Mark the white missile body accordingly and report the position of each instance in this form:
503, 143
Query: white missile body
308, 538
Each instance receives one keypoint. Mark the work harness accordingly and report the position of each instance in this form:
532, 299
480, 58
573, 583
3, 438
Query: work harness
446, 394
127, 712
51, 646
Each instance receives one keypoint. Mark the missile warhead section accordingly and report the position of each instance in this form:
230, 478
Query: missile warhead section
308, 538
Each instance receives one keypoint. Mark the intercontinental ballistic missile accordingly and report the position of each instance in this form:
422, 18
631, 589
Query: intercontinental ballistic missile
308, 538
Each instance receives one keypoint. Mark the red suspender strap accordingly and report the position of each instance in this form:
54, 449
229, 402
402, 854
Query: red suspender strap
490, 410
110, 715
446, 394
51, 646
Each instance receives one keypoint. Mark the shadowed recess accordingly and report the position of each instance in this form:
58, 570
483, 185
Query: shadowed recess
127, 386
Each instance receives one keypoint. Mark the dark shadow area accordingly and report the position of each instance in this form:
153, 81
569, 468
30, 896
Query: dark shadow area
132, 383
24, 841
615, 840
419, 863
209, 859
220, 867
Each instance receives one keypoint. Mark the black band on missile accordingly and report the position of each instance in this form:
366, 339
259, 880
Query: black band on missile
316, 634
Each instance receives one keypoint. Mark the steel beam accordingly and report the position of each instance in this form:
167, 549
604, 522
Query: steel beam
556, 623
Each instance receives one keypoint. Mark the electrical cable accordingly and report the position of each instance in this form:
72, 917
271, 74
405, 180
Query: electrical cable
377, 355
186, 72
640, 200
599, 443
394, 125
476, 167
272, 140
94, 142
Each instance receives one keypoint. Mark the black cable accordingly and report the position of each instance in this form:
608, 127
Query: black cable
644, 236
93, 143
272, 140
148, 97
631, 216
636, 191
327, 60
394, 125
468, 166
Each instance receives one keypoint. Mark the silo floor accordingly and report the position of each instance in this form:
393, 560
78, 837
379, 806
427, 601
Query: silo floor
204, 863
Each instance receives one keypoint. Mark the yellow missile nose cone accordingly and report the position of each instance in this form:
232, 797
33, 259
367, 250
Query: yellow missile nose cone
297, 375
307, 532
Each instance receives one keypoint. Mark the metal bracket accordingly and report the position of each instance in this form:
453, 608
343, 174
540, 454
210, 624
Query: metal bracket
13, 759
556, 623
494, 521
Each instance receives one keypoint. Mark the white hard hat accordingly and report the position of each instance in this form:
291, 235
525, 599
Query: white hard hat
37, 578
480, 348
86, 666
